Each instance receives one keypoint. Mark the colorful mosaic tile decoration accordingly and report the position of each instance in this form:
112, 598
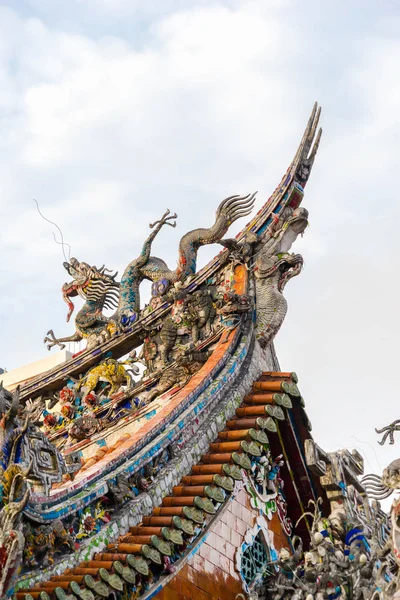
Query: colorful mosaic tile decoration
172, 458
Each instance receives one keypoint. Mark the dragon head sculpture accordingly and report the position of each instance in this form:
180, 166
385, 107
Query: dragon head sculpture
281, 267
274, 258
273, 268
292, 224
99, 290
90, 283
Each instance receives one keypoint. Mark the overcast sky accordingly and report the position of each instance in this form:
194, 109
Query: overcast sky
112, 111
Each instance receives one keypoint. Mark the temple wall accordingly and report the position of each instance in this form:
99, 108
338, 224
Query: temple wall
212, 571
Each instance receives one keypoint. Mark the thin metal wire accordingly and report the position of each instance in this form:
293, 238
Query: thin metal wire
62, 243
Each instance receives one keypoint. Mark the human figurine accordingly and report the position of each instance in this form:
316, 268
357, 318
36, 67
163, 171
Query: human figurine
273, 473
260, 469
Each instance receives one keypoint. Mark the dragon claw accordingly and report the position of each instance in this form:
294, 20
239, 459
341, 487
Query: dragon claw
165, 220
388, 432
52, 341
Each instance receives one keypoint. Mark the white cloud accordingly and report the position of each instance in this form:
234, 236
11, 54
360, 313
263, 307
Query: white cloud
110, 113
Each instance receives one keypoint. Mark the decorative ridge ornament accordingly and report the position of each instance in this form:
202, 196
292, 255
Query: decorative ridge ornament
100, 290
23, 452
98, 286
130, 426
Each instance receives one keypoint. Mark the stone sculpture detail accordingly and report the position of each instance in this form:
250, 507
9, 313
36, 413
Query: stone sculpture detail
346, 558
273, 268
45, 542
25, 455
176, 339
11, 537
380, 487
190, 318
100, 290
110, 371
388, 432
361, 562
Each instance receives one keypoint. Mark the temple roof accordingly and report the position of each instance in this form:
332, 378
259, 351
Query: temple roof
174, 528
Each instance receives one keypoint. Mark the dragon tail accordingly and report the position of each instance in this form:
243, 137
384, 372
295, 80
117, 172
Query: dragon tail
230, 209
233, 208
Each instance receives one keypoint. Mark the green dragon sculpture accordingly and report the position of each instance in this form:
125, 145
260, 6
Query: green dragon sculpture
100, 290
